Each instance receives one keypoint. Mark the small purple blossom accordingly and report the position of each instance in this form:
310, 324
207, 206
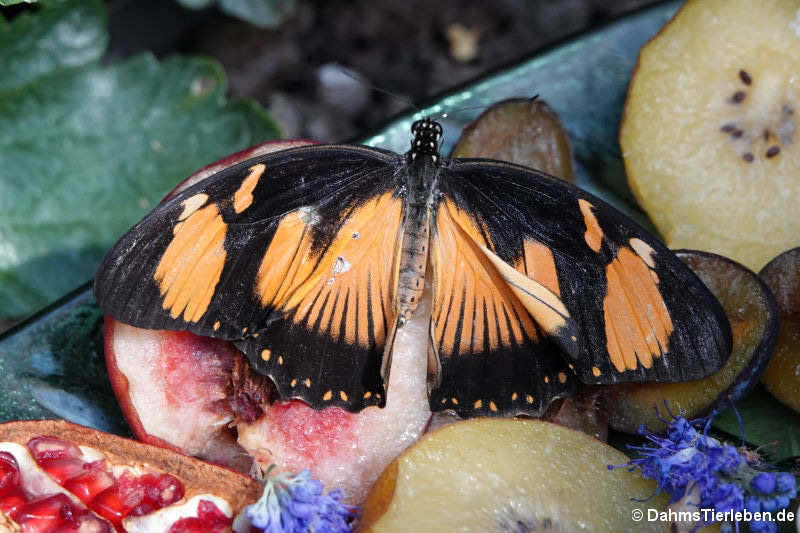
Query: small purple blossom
294, 503
724, 478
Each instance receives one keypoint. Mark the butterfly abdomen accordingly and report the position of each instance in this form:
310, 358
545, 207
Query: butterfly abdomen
413, 261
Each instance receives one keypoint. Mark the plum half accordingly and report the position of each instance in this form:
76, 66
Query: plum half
782, 376
753, 314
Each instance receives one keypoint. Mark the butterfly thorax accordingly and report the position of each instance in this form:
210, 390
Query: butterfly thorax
421, 183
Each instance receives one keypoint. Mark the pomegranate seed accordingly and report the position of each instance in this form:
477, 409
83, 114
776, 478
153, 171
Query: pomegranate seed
45, 514
110, 505
189, 525
89, 484
9, 473
13, 501
87, 523
132, 491
52, 448
168, 490
62, 468
210, 514
209, 518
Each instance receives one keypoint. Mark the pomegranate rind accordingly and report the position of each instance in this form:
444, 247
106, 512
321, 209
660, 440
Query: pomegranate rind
197, 477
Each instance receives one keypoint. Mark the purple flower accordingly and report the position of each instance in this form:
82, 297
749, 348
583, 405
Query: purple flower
724, 478
295, 503
764, 482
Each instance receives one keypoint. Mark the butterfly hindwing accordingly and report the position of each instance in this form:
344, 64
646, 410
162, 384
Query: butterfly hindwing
629, 309
493, 357
290, 255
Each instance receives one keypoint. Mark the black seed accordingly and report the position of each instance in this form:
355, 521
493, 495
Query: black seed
736, 134
738, 97
772, 151
766, 135
728, 128
787, 110
745, 77
748, 157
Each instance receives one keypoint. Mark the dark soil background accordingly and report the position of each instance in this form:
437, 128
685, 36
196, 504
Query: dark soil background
412, 48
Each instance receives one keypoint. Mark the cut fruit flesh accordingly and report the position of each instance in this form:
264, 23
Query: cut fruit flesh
709, 132
507, 475
753, 314
782, 376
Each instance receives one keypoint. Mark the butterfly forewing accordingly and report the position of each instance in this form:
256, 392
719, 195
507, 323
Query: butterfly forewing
634, 312
289, 254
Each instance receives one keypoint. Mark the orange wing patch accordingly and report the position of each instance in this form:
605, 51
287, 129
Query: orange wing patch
594, 233
637, 320
354, 276
190, 268
473, 305
243, 197
537, 263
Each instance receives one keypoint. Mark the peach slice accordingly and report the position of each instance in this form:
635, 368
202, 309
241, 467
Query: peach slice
508, 475
709, 134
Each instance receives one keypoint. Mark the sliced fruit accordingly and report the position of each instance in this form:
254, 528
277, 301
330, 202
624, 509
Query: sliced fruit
753, 314
782, 377
583, 411
197, 395
507, 475
118, 483
522, 131
709, 132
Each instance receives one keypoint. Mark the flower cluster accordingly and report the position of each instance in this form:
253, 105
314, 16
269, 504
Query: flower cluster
294, 503
687, 461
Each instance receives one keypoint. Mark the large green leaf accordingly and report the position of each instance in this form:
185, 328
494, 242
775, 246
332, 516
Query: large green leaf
86, 150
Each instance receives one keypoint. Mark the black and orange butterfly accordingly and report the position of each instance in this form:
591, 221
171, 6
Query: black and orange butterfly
309, 259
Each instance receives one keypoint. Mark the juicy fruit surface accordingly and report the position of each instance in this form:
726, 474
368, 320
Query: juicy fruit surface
177, 390
507, 475
709, 134
751, 310
782, 377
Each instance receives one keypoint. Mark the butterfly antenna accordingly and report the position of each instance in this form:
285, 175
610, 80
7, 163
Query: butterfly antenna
358, 77
470, 108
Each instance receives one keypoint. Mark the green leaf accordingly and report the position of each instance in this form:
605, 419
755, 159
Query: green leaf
262, 13
13, 2
196, 4
86, 150
769, 425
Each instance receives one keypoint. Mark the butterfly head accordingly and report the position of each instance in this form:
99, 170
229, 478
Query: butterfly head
427, 134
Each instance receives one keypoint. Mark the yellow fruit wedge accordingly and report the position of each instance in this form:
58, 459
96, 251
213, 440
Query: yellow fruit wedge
710, 136
488, 475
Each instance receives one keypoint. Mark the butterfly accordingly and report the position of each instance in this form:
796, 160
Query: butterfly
311, 259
